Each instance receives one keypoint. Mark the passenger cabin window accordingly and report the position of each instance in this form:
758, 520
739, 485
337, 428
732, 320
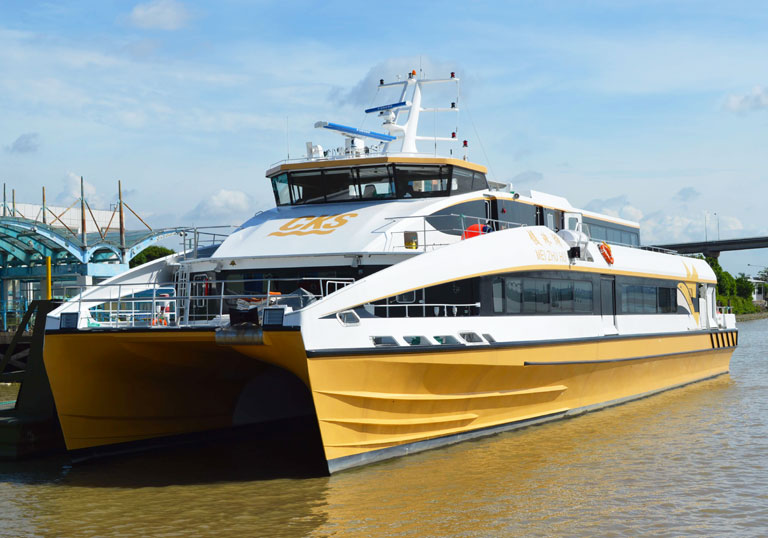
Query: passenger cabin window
373, 183
522, 295
600, 230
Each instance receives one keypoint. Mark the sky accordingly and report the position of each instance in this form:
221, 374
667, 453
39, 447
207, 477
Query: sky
655, 111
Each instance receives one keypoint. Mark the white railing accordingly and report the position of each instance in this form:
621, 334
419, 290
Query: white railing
204, 302
420, 309
424, 236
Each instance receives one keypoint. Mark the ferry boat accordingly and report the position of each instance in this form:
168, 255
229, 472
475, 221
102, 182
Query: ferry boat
398, 298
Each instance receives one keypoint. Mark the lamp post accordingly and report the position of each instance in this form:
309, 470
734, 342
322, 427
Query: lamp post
706, 214
718, 226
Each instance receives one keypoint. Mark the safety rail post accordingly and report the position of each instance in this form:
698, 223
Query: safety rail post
154, 306
80, 305
221, 301
119, 295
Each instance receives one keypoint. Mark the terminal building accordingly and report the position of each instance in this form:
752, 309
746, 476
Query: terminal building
86, 246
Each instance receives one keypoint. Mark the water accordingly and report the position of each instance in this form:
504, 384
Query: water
689, 462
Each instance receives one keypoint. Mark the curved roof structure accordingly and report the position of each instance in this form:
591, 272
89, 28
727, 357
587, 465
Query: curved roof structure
25, 242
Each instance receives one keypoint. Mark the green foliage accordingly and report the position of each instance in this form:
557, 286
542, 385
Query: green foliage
744, 288
148, 254
740, 305
733, 292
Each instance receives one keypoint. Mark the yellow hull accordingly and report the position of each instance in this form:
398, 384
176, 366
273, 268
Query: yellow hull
114, 387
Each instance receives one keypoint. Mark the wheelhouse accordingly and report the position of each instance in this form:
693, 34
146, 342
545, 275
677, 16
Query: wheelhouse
376, 182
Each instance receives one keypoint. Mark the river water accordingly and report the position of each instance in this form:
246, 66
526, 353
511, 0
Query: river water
689, 462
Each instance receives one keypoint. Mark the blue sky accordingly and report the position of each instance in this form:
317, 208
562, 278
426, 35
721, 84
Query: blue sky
653, 111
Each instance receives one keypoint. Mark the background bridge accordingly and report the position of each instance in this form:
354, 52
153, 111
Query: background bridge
714, 248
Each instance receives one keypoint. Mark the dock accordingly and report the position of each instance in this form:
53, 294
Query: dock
29, 425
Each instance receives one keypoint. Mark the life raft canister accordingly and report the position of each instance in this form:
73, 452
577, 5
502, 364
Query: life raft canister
475, 230
605, 250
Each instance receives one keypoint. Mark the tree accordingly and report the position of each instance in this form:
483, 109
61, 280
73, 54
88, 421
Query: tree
744, 288
148, 254
726, 284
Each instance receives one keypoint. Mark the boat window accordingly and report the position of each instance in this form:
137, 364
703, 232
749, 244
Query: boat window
340, 185
668, 300
561, 295
421, 181
582, 294
417, 340
447, 340
489, 338
307, 188
373, 183
408, 297
513, 295
535, 295
639, 299
472, 338
281, 190
348, 318
498, 295
467, 181
376, 182
384, 341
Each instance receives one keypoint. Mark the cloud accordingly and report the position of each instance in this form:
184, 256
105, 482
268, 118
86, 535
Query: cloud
687, 194
224, 207
756, 100
70, 191
391, 70
26, 143
526, 179
618, 206
160, 15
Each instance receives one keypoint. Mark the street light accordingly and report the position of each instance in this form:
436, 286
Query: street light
718, 226
706, 214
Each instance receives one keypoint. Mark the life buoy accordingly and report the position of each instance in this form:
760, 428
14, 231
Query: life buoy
475, 230
605, 250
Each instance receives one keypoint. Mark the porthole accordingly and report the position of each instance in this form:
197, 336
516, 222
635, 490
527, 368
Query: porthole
472, 338
384, 341
417, 340
348, 318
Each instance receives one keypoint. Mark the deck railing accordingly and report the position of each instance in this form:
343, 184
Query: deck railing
200, 302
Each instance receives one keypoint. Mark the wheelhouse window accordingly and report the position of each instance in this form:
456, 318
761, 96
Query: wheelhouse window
376, 182
281, 189
467, 181
373, 183
421, 181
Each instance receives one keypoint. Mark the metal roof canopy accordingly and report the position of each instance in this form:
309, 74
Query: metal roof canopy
26, 242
